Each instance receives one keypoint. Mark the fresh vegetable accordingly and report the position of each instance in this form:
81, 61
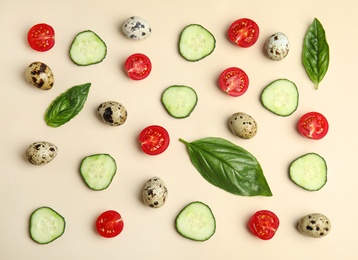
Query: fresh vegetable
179, 100
313, 125
228, 166
277, 46
41, 152
196, 42
155, 192
154, 139
243, 125
264, 224
315, 54
138, 66
281, 97
39, 75
46, 225
314, 225
196, 221
109, 224
67, 105
136, 28
98, 171
87, 48
309, 171
243, 32
112, 113
234, 81
41, 37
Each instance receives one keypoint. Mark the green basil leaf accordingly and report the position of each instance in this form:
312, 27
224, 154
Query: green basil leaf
228, 166
315, 54
67, 105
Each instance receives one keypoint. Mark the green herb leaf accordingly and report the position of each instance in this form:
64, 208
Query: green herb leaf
228, 166
315, 54
67, 105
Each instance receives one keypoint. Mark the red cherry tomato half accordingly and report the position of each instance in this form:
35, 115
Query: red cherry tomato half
41, 37
109, 224
264, 224
234, 81
154, 139
313, 125
138, 66
243, 32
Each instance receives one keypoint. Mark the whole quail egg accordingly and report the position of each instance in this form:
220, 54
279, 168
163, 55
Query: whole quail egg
136, 28
243, 125
277, 46
40, 75
41, 152
155, 192
112, 113
314, 225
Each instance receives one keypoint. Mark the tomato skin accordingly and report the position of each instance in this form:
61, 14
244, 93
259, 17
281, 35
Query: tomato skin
138, 66
234, 81
313, 125
264, 224
109, 224
154, 139
41, 37
243, 32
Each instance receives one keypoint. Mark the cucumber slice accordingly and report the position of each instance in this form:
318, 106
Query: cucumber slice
87, 48
46, 225
280, 97
196, 222
196, 42
179, 100
98, 170
309, 171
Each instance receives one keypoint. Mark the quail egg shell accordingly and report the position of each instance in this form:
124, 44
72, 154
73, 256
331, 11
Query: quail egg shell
314, 225
136, 28
277, 46
243, 125
40, 75
41, 152
154, 192
112, 113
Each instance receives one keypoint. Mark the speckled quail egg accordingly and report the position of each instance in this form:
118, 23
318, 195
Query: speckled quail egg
40, 75
136, 28
112, 113
243, 125
154, 192
277, 46
41, 152
314, 225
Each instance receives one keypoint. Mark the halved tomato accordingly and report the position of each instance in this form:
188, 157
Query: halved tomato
313, 125
264, 224
109, 224
41, 37
243, 32
138, 66
154, 139
234, 81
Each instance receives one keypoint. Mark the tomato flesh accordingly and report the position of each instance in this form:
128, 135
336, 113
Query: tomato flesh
109, 224
138, 66
243, 32
264, 224
234, 81
154, 140
41, 37
313, 125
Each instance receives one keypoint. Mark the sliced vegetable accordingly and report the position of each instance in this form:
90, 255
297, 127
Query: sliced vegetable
179, 100
154, 139
234, 81
309, 171
109, 224
138, 66
264, 224
196, 221
196, 42
98, 171
243, 32
280, 97
67, 105
313, 125
228, 166
41, 37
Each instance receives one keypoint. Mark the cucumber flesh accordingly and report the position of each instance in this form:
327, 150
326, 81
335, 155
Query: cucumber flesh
87, 48
98, 170
196, 222
280, 97
46, 225
309, 171
196, 42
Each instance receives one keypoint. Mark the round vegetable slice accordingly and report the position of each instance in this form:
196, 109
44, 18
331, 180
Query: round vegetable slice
109, 224
264, 224
154, 139
41, 37
234, 81
138, 66
243, 32
313, 125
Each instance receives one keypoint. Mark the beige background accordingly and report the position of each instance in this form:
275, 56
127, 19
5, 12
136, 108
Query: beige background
150, 234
